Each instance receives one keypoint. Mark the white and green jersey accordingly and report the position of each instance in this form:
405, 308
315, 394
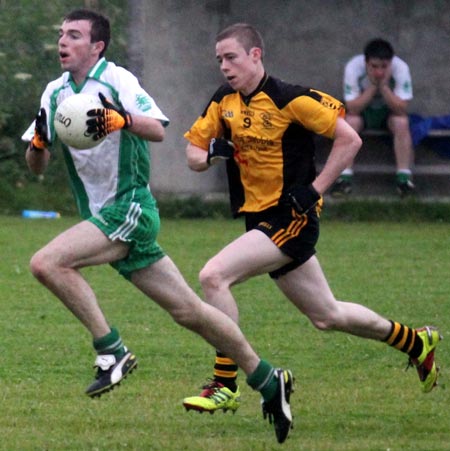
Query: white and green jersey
120, 163
356, 80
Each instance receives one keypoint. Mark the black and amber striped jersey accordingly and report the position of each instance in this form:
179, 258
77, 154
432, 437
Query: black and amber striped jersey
273, 131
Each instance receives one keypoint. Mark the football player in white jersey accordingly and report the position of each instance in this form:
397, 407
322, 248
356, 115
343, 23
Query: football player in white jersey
377, 90
120, 218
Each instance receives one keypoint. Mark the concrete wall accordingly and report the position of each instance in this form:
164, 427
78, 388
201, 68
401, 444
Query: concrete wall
307, 42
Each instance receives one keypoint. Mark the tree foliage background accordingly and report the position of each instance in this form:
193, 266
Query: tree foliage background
28, 61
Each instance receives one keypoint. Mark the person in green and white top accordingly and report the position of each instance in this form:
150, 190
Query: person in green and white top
120, 217
97, 175
377, 91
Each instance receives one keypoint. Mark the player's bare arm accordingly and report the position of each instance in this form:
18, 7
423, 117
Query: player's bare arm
37, 160
346, 145
37, 155
147, 128
356, 106
196, 158
219, 150
396, 104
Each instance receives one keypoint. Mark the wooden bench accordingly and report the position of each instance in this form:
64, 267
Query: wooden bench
435, 165
435, 133
374, 166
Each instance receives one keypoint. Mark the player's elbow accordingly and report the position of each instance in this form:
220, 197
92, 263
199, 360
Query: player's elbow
157, 133
160, 134
37, 162
352, 148
37, 169
196, 158
147, 128
357, 142
197, 166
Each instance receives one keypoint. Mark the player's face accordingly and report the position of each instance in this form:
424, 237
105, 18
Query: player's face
242, 70
378, 69
76, 52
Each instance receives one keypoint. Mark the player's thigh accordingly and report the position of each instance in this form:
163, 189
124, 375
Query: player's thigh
251, 254
355, 121
307, 288
398, 124
163, 282
84, 244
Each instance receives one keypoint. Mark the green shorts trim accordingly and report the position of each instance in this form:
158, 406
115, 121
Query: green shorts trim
132, 219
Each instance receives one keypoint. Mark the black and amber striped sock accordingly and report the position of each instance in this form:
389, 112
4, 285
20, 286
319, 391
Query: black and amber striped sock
225, 371
404, 339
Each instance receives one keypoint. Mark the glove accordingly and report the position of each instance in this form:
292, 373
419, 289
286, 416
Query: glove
219, 149
107, 120
40, 138
302, 198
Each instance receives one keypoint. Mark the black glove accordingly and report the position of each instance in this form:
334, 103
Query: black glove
107, 120
302, 198
219, 149
40, 138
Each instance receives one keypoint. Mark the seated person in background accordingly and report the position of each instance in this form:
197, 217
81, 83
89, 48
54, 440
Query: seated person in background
377, 89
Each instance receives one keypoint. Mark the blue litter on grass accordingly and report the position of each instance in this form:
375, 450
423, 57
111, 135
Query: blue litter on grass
38, 214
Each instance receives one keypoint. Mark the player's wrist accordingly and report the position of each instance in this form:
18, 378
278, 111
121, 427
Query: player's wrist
128, 120
37, 144
36, 149
219, 149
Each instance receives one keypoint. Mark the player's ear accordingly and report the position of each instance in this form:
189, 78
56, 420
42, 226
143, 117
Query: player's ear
256, 53
98, 46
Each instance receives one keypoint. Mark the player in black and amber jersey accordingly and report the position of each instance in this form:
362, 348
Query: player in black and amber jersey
271, 131
264, 129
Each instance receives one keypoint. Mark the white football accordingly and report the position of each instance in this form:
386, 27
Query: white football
70, 121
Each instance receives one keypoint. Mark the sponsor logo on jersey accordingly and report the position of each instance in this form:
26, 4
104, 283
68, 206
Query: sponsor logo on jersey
267, 120
265, 225
329, 103
143, 102
247, 113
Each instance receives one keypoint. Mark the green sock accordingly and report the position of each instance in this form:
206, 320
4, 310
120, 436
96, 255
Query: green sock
346, 177
263, 380
402, 177
110, 344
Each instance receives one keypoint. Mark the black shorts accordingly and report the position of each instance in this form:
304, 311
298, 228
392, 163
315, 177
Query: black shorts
295, 235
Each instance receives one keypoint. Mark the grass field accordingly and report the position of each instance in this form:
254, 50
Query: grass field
351, 394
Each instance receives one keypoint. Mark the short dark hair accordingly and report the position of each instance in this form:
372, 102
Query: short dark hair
100, 28
247, 35
378, 48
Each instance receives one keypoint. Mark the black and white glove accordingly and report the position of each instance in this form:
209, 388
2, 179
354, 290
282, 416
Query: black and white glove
302, 198
108, 119
40, 138
219, 149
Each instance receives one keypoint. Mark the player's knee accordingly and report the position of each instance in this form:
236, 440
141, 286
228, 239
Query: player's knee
182, 317
42, 266
39, 266
325, 321
398, 124
355, 121
210, 278
323, 324
186, 315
